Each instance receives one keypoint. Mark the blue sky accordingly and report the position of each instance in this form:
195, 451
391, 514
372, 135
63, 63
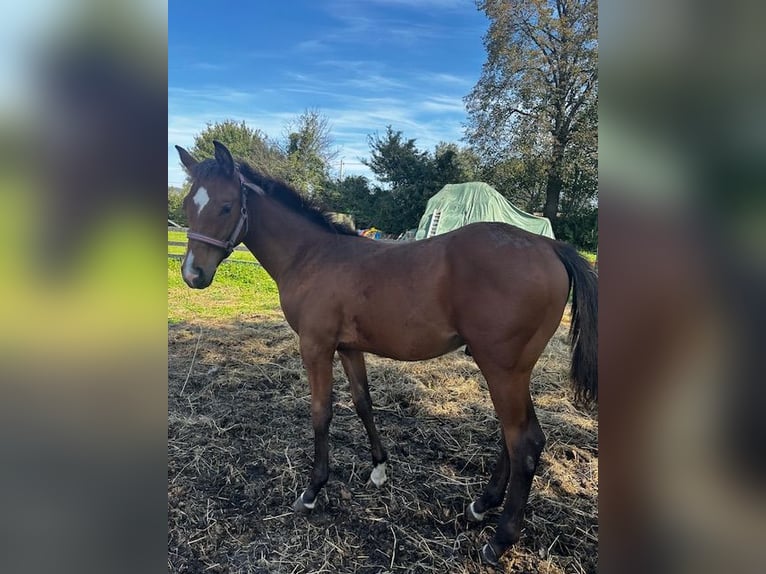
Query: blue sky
364, 64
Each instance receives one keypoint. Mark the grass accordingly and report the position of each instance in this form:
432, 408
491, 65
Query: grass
176, 235
180, 236
236, 291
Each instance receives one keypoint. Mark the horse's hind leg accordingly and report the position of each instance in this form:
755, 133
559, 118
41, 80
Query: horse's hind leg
494, 493
524, 439
353, 365
527, 440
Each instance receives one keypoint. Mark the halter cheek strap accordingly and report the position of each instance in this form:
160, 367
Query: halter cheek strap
237, 234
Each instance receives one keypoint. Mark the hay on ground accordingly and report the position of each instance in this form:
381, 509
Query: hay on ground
240, 448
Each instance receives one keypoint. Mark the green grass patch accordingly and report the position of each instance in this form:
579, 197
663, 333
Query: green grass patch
176, 235
236, 291
180, 236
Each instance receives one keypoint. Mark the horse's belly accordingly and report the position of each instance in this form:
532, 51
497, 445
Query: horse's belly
403, 342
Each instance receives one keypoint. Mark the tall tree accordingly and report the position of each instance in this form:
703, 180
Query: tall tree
412, 176
408, 173
454, 164
309, 150
538, 87
351, 195
244, 142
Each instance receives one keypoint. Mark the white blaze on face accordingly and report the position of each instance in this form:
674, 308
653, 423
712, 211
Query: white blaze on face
200, 199
188, 270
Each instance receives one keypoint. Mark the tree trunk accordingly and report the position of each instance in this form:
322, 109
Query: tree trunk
554, 184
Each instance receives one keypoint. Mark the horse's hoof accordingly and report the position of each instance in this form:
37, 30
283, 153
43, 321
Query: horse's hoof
489, 556
378, 475
471, 515
303, 507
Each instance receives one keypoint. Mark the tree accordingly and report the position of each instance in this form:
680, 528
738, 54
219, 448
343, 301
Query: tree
409, 175
396, 161
521, 181
412, 176
538, 89
309, 152
353, 196
175, 205
454, 164
244, 142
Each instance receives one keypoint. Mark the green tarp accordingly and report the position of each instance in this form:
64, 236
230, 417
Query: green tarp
459, 204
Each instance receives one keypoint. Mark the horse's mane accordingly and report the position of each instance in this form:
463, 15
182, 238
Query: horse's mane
281, 192
292, 199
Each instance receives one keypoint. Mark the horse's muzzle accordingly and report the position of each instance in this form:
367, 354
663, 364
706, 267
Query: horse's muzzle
196, 279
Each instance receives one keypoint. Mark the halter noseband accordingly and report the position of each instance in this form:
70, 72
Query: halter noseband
234, 238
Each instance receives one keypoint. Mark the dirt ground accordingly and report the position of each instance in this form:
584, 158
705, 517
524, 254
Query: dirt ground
240, 448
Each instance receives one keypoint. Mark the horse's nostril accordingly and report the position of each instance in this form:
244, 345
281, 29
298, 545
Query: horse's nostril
199, 279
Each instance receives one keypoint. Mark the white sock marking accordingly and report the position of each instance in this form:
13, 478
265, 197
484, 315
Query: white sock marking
200, 199
308, 505
378, 475
476, 515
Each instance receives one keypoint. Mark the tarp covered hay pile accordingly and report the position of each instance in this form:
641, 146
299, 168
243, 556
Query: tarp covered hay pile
458, 204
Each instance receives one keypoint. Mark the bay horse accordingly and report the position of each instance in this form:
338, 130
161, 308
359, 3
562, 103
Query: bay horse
496, 288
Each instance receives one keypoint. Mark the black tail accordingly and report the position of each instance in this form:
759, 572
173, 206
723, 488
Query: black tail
583, 332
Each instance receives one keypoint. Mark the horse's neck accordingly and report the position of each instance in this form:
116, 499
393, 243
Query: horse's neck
278, 236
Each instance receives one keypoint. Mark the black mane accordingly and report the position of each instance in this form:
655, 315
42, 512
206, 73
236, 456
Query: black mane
280, 191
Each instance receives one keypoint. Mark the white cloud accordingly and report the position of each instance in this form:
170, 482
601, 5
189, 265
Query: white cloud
359, 95
428, 119
443, 104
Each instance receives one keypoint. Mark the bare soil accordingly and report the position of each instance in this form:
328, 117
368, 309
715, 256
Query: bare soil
240, 448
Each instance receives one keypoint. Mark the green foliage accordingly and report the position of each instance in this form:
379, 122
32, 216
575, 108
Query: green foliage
535, 101
303, 159
580, 229
351, 195
522, 182
244, 142
412, 177
309, 152
454, 164
175, 209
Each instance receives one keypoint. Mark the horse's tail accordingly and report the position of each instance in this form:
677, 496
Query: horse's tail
583, 332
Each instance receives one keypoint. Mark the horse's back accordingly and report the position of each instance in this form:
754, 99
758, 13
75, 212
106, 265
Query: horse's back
488, 252
416, 300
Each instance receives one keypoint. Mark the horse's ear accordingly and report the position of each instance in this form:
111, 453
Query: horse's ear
186, 159
224, 159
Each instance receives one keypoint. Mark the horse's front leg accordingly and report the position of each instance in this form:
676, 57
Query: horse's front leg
318, 363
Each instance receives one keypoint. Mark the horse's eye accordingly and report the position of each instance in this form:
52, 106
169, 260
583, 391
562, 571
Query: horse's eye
226, 210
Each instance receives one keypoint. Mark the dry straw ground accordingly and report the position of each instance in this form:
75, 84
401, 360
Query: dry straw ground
240, 448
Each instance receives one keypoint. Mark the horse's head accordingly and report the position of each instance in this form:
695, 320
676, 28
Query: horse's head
216, 211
